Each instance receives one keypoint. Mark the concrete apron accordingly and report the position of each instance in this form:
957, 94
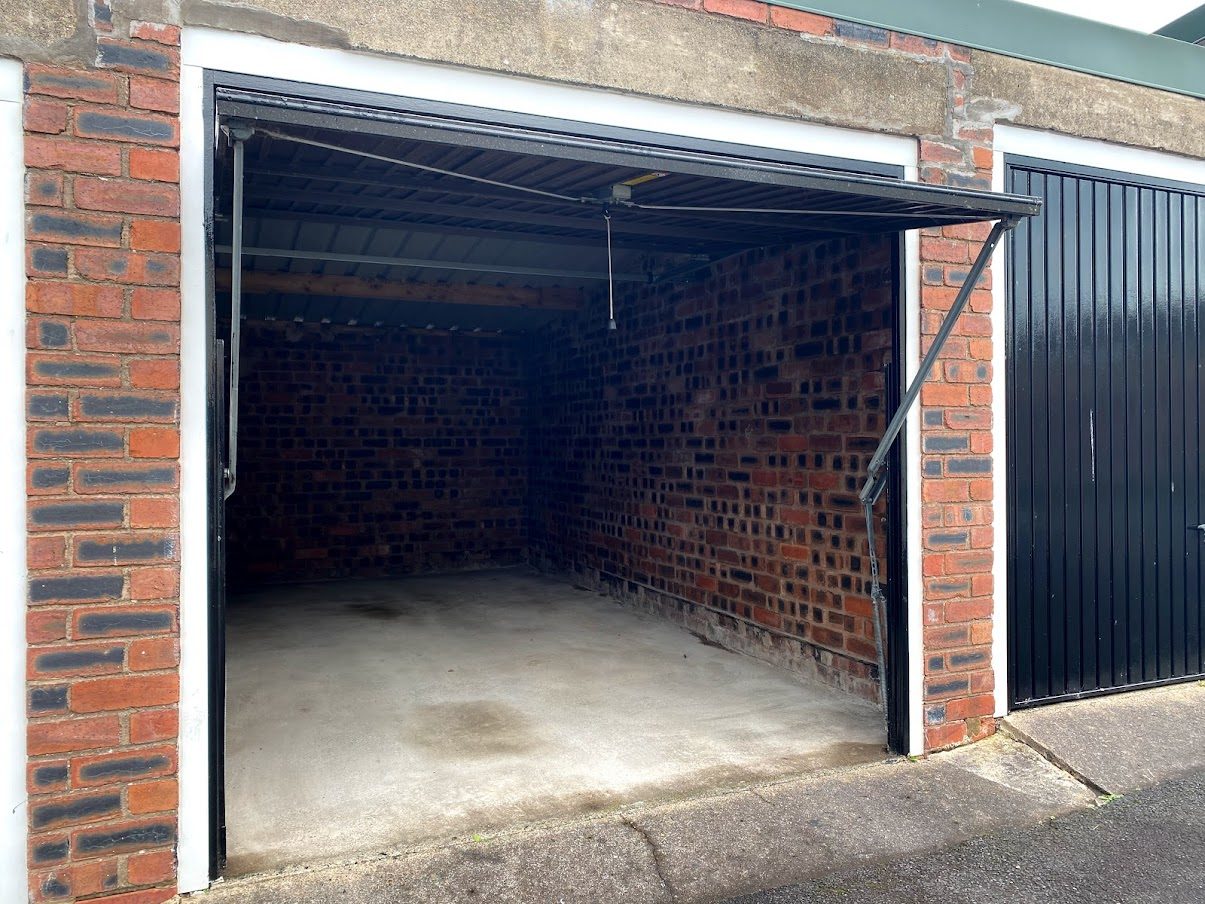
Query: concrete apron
711, 847
384, 716
1121, 742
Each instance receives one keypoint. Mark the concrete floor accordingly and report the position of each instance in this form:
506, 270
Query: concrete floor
376, 716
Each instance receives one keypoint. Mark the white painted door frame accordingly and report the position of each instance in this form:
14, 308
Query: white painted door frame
206, 49
14, 823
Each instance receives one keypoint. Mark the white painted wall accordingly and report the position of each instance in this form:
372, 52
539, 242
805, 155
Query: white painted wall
1090, 152
252, 55
999, 458
13, 822
1061, 149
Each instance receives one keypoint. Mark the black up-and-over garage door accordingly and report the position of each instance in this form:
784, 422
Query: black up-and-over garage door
1106, 381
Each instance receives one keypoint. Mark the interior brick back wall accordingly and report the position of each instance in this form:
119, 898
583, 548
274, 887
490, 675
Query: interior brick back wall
712, 446
369, 452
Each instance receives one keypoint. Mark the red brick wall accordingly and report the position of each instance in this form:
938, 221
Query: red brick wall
712, 447
103, 395
365, 451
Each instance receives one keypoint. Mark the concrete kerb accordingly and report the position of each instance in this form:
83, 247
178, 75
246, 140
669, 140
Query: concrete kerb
535, 830
710, 847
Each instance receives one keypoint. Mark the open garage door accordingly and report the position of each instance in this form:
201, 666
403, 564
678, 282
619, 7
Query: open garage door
651, 365
1106, 380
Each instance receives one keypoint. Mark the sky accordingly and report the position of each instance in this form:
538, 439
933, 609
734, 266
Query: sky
1143, 15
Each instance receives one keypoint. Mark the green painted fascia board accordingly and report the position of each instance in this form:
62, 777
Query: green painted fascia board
1032, 33
1189, 27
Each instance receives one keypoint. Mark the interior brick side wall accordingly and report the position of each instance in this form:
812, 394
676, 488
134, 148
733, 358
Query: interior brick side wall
712, 446
368, 452
956, 492
103, 405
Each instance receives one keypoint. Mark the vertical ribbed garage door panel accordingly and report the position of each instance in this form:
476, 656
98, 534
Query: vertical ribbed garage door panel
1104, 433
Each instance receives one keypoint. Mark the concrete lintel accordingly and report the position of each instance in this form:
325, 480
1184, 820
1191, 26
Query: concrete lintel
52, 31
1089, 106
628, 45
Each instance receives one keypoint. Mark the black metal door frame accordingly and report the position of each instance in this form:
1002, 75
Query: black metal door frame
215, 395
217, 609
898, 710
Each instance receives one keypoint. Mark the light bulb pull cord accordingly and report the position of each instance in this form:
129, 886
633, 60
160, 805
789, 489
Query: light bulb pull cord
610, 275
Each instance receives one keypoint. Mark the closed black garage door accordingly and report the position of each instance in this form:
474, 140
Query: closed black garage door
1105, 376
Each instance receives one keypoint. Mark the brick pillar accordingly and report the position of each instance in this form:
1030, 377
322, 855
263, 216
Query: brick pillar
956, 443
103, 332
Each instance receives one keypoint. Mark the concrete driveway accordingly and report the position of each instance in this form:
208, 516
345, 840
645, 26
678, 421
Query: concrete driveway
1123, 742
706, 848
995, 821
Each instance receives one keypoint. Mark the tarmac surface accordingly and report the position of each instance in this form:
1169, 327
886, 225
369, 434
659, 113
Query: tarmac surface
1145, 847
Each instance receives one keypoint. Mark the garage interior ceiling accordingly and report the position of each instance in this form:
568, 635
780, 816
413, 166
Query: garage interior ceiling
332, 235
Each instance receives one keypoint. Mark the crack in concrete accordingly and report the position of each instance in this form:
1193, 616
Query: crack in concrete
765, 800
1022, 737
658, 857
